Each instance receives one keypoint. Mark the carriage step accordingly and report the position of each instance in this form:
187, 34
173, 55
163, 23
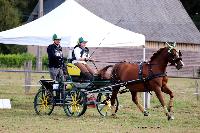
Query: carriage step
61, 103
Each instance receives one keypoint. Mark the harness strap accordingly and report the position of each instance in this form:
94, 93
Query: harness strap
140, 71
149, 77
157, 75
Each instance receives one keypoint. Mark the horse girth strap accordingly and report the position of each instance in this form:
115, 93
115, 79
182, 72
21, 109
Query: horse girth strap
151, 75
157, 75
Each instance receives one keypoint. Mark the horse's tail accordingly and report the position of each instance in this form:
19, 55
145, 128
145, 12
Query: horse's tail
106, 68
102, 72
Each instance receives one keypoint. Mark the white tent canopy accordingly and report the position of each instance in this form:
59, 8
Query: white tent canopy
71, 21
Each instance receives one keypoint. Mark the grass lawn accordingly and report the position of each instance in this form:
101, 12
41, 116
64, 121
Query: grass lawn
22, 118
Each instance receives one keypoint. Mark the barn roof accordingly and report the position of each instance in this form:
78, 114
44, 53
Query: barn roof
158, 20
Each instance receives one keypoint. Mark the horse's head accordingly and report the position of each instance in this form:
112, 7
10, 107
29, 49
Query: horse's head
174, 56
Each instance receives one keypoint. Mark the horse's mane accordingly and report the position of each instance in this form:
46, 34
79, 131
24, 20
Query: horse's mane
156, 54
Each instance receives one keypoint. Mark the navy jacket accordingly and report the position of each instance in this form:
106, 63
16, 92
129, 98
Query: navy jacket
55, 56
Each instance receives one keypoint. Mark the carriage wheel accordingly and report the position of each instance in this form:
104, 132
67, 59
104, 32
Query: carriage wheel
104, 104
43, 102
74, 103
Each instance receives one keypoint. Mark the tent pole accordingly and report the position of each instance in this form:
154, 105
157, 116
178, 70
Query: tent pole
39, 52
146, 95
40, 8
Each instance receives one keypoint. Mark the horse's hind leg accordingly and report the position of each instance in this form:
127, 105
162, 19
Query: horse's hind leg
135, 100
113, 97
166, 90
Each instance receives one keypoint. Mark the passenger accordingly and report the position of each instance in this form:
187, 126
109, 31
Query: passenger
55, 57
80, 56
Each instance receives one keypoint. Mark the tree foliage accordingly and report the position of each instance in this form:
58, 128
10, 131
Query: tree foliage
25, 7
15, 12
9, 15
12, 49
192, 6
12, 14
193, 9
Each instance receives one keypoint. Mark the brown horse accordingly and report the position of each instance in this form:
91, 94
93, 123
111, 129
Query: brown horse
150, 76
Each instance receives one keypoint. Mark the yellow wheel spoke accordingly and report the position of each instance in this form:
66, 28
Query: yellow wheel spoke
44, 103
106, 107
78, 108
74, 104
42, 108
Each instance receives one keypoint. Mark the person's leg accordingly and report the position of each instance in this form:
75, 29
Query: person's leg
52, 73
85, 71
60, 75
89, 69
82, 67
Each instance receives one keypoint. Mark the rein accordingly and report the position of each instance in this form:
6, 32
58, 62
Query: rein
110, 61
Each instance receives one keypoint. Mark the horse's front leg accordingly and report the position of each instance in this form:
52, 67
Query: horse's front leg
166, 90
136, 101
161, 99
113, 97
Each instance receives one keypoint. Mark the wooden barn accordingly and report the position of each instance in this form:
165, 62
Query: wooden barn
160, 21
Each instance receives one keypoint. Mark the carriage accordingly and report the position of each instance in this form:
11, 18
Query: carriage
135, 77
71, 92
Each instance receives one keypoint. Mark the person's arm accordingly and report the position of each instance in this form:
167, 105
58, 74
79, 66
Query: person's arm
51, 52
89, 58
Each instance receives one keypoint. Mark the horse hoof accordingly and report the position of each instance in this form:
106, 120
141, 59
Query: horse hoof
113, 115
146, 113
170, 117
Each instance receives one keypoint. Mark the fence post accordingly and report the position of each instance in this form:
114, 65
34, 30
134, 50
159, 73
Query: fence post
27, 74
194, 73
197, 90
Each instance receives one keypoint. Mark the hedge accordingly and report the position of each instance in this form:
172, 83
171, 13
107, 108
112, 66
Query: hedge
17, 60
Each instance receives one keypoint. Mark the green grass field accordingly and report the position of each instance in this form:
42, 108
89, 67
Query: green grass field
22, 118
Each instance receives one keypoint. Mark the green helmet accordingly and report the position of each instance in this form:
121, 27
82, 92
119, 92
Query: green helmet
55, 37
80, 40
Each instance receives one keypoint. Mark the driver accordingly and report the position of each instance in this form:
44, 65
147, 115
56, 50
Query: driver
80, 56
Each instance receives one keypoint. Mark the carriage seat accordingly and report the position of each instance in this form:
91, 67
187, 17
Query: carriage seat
74, 72
47, 83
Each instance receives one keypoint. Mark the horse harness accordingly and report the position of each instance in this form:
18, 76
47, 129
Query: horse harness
142, 79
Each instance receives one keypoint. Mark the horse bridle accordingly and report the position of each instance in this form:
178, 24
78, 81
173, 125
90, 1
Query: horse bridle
174, 58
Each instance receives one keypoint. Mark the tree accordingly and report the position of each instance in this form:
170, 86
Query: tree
25, 7
12, 49
192, 6
9, 15
12, 14
193, 9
